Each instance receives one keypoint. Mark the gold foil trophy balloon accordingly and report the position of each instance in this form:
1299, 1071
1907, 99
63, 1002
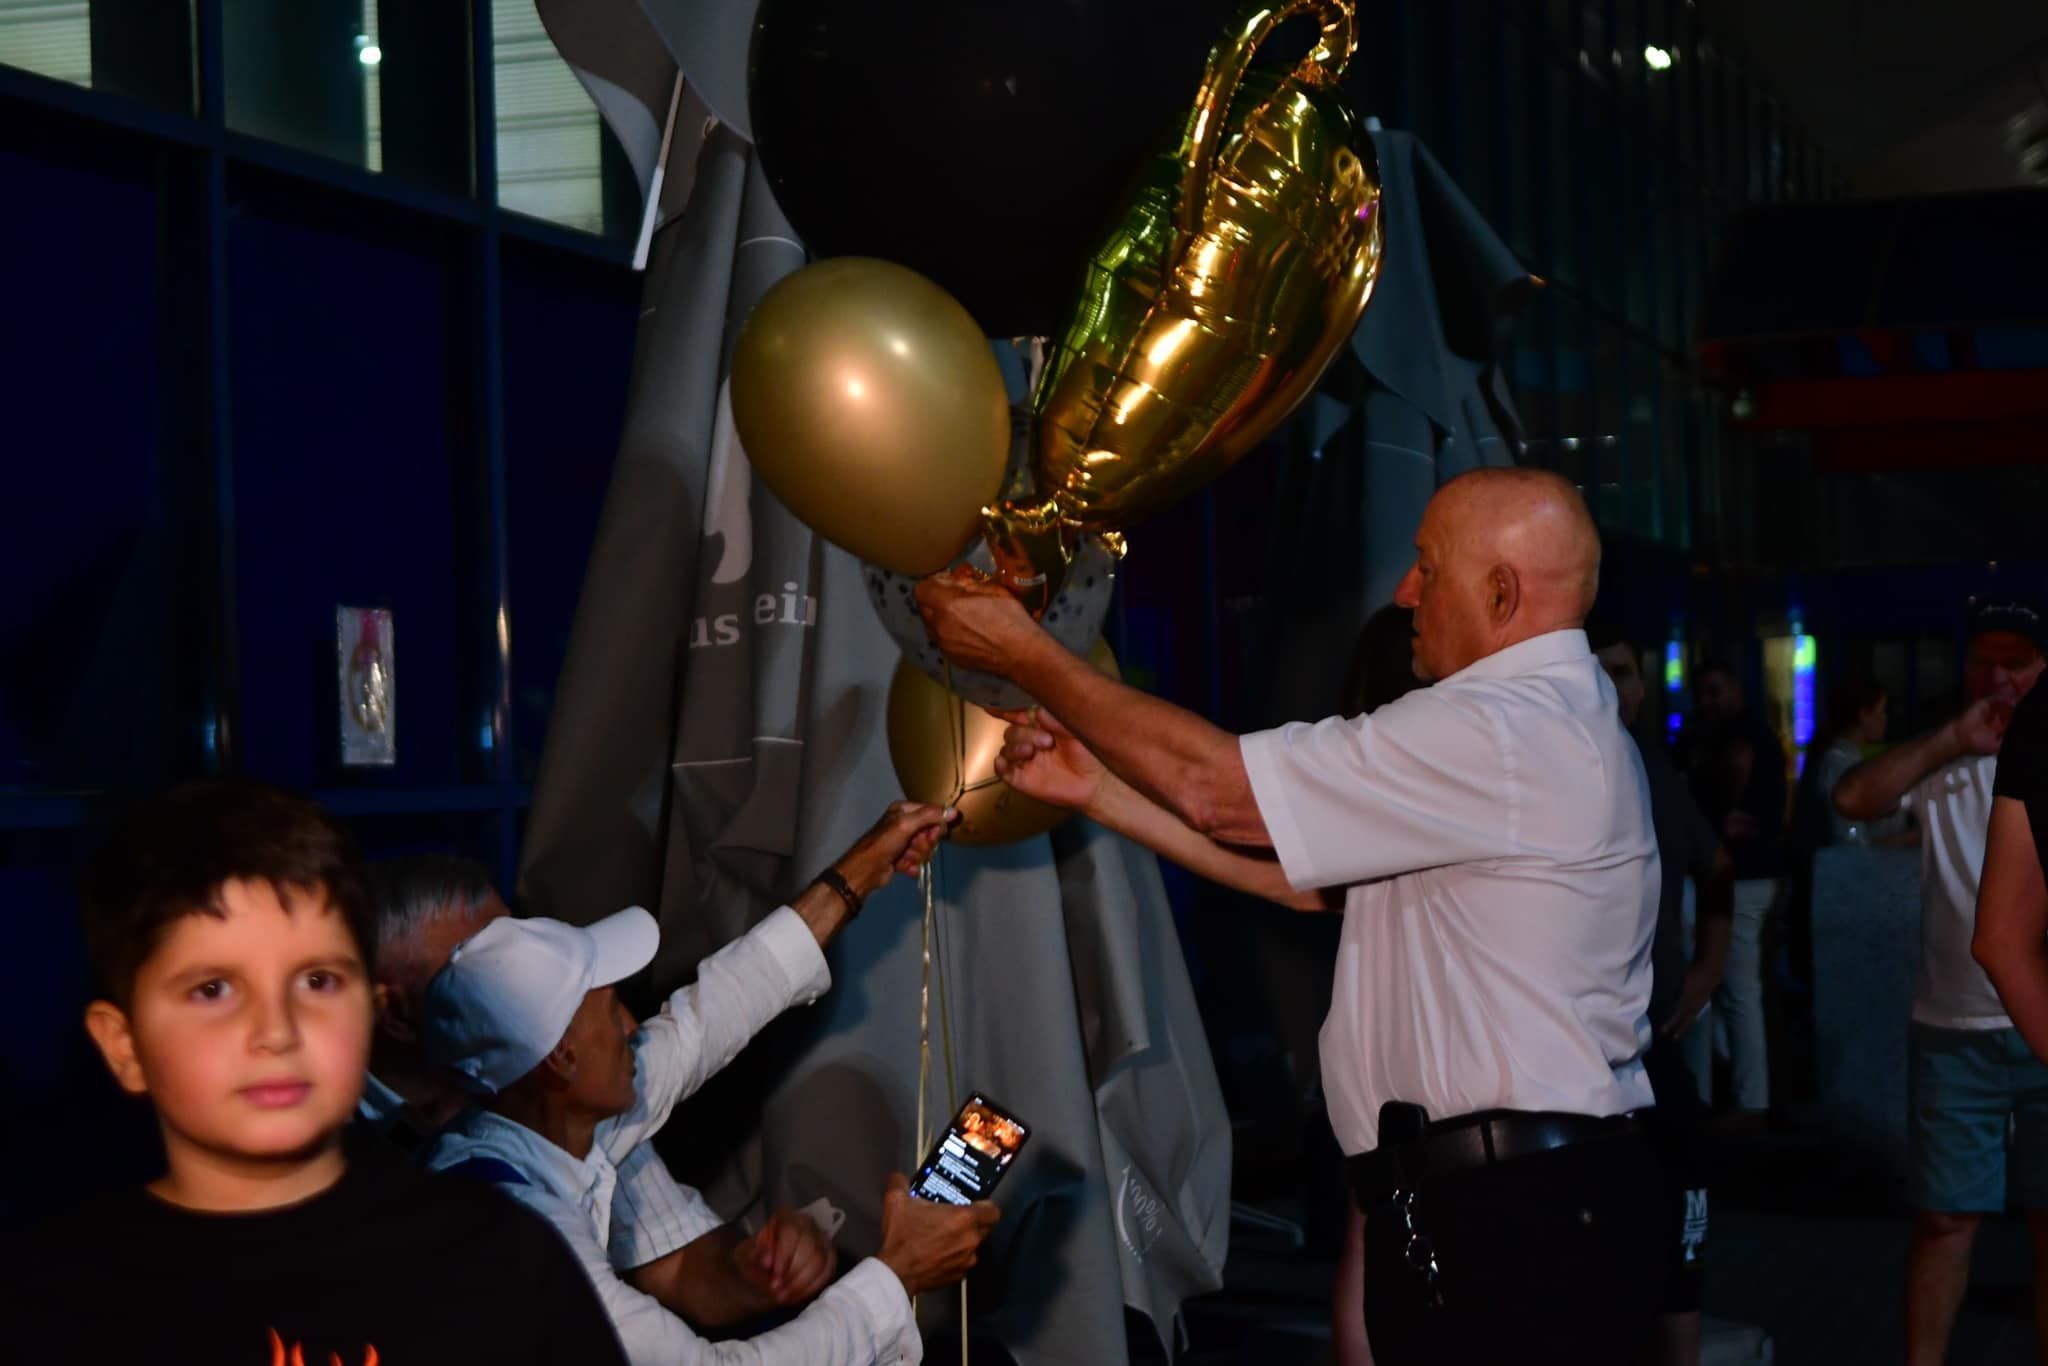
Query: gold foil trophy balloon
1242, 261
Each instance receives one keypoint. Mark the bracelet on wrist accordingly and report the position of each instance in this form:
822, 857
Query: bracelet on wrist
836, 880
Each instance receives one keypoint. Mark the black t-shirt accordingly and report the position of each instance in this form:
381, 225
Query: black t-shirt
1686, 846
2023, 765
390, 1267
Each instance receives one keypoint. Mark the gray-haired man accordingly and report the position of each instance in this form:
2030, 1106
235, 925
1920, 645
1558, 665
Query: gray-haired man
664, 1238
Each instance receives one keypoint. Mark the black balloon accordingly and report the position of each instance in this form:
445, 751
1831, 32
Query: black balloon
982, 143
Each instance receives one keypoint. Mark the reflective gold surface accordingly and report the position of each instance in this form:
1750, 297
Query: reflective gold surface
1241, 263
870, 404
944, 750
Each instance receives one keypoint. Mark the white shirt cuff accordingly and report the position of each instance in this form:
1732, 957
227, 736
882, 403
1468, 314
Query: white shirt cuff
874, 1290
794, 948
1263, 753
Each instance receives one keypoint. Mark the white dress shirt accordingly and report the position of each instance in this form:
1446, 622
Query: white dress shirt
653, 1214
1494, 836
1953, 806
863, 1318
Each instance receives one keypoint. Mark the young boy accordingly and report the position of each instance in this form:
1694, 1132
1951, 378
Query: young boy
228, 929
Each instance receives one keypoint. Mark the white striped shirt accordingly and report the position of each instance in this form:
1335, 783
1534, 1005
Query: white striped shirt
653, 1214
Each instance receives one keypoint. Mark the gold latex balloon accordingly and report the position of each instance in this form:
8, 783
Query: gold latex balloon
869, 403
1239, 266
945, 749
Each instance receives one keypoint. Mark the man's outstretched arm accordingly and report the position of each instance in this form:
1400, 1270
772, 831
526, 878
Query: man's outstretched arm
1178, 760
1043, 759
1875, 787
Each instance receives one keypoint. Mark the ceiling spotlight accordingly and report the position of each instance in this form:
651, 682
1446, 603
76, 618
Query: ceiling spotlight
1657, 59
370, 55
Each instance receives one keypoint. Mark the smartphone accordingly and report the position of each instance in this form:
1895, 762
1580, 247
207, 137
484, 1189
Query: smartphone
972, 1155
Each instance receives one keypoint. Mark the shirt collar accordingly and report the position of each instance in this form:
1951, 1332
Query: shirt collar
539, 1161
1528, 656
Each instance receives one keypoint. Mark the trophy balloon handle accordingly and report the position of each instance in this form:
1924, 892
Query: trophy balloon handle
1322, 67
1030, 545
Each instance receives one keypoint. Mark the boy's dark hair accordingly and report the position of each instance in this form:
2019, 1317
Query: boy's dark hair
169, 856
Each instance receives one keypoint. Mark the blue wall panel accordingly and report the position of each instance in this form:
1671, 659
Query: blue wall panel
345, 458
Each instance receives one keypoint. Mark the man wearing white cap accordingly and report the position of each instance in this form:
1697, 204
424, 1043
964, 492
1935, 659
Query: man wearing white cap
525, 1013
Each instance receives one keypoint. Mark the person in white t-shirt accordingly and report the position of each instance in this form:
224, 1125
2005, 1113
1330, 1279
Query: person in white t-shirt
1489, 840
1970, 1076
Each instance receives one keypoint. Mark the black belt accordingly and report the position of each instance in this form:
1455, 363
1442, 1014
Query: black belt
1476, 1140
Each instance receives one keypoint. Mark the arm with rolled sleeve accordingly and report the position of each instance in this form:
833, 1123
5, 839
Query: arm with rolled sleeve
1420, 783
862, 1320
703, 1026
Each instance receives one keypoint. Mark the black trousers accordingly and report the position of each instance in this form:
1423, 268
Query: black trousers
1554, 1257
1677, 1128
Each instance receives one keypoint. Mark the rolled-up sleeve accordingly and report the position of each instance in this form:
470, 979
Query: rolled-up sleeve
1423, 782
703, 1026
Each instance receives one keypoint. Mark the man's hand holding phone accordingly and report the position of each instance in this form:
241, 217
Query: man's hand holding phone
927, 1244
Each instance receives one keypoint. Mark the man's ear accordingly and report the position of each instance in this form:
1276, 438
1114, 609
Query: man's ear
394, 1014
1503, 593
562, 1063
108, 1025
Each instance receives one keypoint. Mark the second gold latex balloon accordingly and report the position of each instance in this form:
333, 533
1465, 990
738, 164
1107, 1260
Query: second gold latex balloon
869, 403
944, 750
1240, 265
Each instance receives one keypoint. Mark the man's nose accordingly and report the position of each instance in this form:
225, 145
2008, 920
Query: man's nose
1408, 593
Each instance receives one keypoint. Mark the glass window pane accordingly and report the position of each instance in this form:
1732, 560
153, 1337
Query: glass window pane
1561, 127
381, 84
141, 49
1635, 214
556, 159
1424, 81
1610, 383
1660, 71
365, 329
1626, 54
1574, 432
1685, 84
1603, 192
568, 355
1533, 378
1475, 96
1522, 167
89, 541
1643, 442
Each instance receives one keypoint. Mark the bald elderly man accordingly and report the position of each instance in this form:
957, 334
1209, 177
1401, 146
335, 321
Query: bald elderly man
1490, 844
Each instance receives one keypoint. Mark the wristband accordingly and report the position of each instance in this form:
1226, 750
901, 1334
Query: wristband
836, 880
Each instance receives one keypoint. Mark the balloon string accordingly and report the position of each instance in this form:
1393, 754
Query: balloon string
924, 1030
933, 946
952, 1083
956, 735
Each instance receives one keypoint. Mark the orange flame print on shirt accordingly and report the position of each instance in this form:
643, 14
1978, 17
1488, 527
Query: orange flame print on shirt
297, 1355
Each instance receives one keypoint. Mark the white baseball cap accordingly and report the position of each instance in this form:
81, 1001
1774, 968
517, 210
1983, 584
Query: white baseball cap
507, 995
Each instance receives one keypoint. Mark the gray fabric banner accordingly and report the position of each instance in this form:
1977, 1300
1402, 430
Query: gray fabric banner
718, 736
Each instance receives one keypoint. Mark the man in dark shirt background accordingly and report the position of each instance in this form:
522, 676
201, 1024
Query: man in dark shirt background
1681, 985
1737, 771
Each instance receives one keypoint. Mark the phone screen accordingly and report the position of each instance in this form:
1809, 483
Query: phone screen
972, 1155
